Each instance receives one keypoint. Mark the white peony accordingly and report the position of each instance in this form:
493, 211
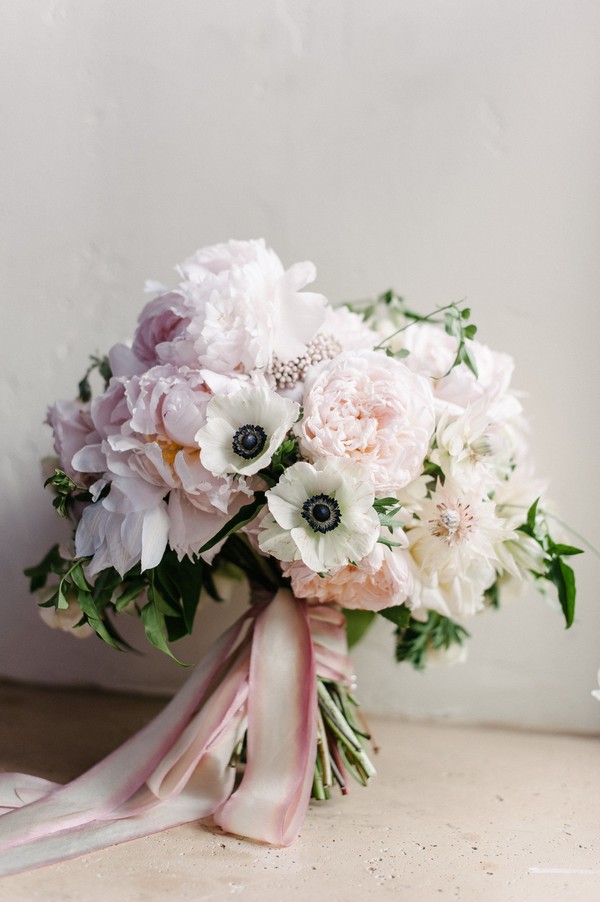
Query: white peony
321, 514
252, 309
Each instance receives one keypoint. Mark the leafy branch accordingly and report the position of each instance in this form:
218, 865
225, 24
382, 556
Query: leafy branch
556, 570
65, 490
453, 316
415, 639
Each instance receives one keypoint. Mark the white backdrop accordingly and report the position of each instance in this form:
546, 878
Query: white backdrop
448, 149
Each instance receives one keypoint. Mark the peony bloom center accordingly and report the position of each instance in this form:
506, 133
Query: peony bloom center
454, 523
169, 448
322, 513
249, 441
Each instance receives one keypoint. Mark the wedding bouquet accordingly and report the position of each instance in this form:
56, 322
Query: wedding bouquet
343, 463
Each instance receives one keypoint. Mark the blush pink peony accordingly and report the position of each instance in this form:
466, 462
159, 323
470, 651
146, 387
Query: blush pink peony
370, 408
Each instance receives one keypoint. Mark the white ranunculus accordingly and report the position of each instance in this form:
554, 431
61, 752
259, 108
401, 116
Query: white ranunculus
244, 429
321, 514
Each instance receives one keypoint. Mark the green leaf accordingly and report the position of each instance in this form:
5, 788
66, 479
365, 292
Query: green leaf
52, 602
84, 389
563, 578
191, 587
153, 621
176, 628
381, 505
87, 604
103, 366
390, 521
245, 515
564, 550
398, 615
357, 624
38, 574
531, 514
383, 540
132, 590
61, 601
467, 358
451, 323
78, 578
183, 581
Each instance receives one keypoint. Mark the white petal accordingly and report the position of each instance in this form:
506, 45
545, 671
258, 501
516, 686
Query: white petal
154, 536
90, 459
287, 513
276, 541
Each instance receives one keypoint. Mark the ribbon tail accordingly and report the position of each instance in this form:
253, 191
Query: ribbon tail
210, 785
104, 791
272, 799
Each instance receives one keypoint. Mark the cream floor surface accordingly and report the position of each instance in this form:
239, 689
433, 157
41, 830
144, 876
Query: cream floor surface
454, 813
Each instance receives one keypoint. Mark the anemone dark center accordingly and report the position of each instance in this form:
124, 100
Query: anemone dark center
322, 513
249, 441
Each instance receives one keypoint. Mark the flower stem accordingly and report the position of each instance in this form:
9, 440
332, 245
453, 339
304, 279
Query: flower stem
421, 319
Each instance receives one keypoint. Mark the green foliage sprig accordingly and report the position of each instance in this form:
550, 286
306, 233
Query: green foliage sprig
454, 318
556, 570
166, 597
415, 639
66, 491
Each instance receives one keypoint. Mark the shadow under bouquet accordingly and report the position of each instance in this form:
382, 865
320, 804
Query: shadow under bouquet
346, 463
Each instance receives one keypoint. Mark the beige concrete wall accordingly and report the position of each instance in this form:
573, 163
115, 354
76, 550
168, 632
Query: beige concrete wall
449, 149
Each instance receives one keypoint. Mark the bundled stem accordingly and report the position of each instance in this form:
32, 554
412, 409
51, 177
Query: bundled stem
340, 741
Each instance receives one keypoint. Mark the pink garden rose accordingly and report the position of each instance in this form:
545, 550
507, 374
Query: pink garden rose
380, 580
372, 409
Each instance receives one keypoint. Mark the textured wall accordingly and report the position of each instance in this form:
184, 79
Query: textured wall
447, 149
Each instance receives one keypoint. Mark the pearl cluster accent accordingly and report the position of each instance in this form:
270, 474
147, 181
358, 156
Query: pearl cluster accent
288, 373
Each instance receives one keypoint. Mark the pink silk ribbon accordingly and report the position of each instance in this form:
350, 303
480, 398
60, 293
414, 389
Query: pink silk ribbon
259, 676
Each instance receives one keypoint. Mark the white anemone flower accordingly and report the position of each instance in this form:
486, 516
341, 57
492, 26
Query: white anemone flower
244, 429
321, 514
